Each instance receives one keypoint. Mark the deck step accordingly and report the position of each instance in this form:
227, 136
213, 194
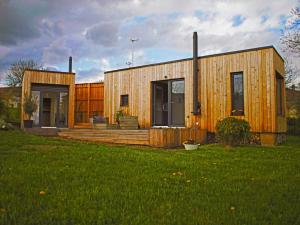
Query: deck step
116, 136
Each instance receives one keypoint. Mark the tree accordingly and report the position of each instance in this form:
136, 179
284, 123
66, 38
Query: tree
291, 34
14, 77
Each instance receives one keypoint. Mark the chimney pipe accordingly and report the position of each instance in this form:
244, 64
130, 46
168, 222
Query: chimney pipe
70, 64
195, 74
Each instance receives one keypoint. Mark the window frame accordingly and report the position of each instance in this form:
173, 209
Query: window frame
279, 99
233, 112
122, 104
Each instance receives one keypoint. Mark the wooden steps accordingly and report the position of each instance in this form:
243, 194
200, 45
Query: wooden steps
83, 125
116, 136
42, 131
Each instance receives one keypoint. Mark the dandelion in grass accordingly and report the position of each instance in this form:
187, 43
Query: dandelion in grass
232, 208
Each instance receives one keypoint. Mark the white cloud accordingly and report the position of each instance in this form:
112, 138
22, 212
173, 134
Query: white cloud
96, 33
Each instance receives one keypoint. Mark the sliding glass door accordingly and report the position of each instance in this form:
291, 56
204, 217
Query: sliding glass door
168, 103
53, 105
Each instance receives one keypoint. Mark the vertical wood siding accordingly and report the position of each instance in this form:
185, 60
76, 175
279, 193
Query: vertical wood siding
258, 67
89, 101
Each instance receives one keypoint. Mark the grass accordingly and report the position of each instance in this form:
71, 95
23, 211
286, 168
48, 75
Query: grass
87, 183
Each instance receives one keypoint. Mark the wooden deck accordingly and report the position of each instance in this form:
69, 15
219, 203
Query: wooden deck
155, 137
132, 137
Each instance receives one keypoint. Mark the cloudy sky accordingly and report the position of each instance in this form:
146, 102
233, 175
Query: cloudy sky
97, 32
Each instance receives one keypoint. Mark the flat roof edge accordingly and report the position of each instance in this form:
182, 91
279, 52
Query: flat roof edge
100, 82
199, 57
49, 71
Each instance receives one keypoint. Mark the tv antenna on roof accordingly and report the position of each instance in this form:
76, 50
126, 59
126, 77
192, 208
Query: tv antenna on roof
132, 50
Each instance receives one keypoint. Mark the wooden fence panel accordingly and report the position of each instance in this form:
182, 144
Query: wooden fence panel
89, 101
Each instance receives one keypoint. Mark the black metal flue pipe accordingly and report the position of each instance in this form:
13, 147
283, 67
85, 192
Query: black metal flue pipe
195, 74
70, 64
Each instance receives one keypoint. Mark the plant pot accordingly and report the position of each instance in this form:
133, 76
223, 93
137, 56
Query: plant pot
191, 146
28, 123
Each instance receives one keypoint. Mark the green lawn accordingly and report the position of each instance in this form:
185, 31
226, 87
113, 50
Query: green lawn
86, 183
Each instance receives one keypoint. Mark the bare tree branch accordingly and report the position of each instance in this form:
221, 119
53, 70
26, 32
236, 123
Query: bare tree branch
14, 76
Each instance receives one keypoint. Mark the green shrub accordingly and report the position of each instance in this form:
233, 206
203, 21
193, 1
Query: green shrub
232, 131
3, 108
4, 125
13, 115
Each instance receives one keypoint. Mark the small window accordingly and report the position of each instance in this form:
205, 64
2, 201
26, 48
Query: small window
279, 96
237, 94
124, 100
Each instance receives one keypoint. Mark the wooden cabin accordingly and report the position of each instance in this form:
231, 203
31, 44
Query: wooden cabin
173, 101
246, 84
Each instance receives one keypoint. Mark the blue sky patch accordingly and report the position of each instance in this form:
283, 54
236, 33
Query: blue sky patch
238, 20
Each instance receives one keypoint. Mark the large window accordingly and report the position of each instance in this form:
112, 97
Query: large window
237, 94
279, 95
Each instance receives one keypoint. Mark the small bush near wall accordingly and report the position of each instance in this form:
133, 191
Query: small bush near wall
3, 108
14, 115
232, 131
4, 125
8, 115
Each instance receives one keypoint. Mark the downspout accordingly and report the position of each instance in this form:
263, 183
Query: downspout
195, 74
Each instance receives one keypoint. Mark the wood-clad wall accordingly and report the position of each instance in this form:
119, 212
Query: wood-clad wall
49, 77
89, 101
259, 88
258, 67
136, 83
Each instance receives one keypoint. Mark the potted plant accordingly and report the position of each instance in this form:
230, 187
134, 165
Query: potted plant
30, 106
118, 115
190, 144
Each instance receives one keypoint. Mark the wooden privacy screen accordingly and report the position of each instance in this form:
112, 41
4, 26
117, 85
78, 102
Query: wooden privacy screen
88, 101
